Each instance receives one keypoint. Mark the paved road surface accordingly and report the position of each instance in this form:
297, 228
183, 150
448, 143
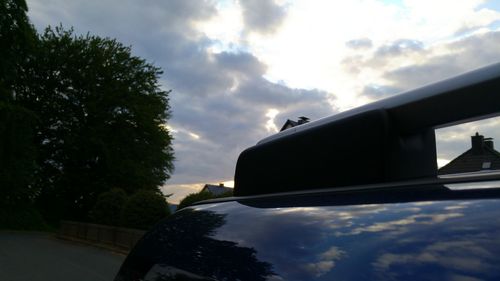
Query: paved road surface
40, 257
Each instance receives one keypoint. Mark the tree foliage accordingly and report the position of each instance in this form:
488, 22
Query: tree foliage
144, 209
17, 153
17, 149
79, 115
108, 207
21, 216
102, 116
17, 38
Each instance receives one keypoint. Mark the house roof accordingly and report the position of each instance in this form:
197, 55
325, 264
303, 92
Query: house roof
290, 123
481, 156
216, 189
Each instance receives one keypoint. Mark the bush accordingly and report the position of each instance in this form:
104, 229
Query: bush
17, 153
143, 209
193, 198
200, 196
21, 217
108, 207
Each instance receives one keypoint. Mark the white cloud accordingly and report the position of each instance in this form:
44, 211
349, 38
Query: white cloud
456, 256
270, 125
400, 226
325, 263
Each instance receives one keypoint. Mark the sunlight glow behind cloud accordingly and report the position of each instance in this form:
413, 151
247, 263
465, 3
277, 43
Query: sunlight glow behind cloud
270, 125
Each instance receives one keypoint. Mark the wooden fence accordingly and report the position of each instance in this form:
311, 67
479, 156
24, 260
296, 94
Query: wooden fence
117, 238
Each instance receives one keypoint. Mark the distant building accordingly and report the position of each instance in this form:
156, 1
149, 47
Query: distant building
290, 123
216, 189
481, 156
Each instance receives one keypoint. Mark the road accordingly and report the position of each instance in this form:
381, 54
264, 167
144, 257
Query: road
41, 257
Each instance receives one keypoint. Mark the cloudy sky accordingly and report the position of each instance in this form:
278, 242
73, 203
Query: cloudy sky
239, 69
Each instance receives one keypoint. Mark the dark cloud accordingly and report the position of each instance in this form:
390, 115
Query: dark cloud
399, 47
353, 64
361, 43
466, 54
410, 77
243, 63
128, 21
382, 55
263, 16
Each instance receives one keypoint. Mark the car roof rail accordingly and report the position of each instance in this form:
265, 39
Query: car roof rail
385, 141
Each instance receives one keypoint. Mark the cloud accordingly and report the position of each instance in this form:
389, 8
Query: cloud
399, 47
361, 43
263, 16
470, 256
129, 21
423, 66
325, 263
400, 226
319, 268
449, 250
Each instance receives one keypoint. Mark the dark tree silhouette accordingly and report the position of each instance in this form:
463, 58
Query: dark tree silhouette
143, 209
17, 148
107, 210
102, 121
17, 40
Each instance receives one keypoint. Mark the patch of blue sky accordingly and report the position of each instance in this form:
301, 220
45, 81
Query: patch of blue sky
219, 46
224, 3
393, 2
495, 26
492, 4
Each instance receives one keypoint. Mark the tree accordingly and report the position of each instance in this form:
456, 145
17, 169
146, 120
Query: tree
17, 153
17, 149
108, 207
102, 121
17, 38
200, 196
144, 209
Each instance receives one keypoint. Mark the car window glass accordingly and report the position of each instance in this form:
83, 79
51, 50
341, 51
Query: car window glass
469, 147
